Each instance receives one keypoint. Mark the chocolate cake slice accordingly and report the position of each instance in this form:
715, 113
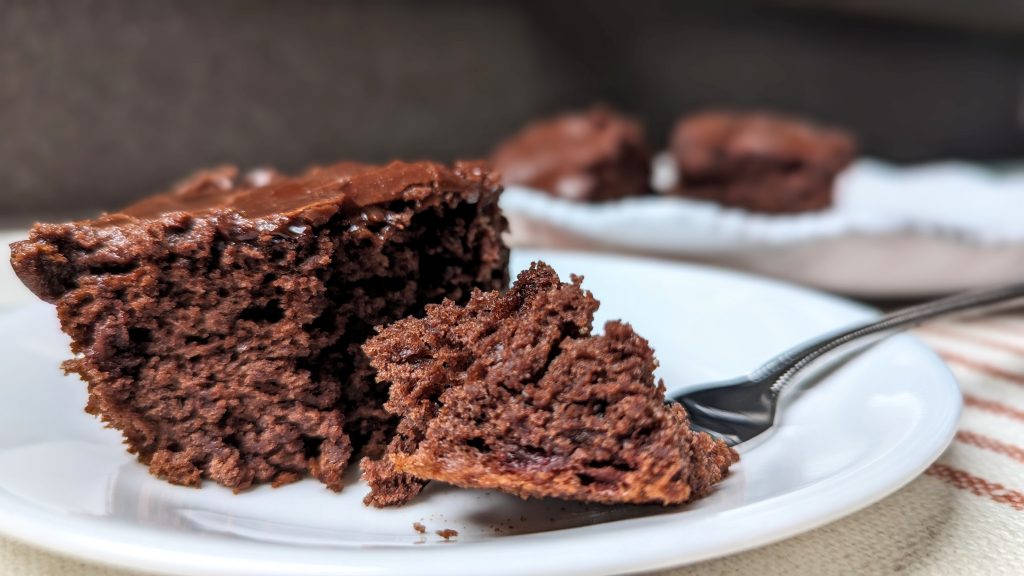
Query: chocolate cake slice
219, 326
512, 392
759, 162
588, 156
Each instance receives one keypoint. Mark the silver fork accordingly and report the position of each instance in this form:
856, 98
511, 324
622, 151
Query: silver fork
743, 408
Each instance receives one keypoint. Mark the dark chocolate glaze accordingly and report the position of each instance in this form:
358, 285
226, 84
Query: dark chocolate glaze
313, 196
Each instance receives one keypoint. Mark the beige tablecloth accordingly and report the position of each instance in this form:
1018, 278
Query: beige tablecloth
964, 515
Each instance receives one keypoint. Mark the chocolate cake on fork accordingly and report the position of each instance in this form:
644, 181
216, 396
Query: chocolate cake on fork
512, 392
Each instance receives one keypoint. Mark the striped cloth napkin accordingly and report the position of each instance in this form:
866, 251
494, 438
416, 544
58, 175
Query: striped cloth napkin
965, 514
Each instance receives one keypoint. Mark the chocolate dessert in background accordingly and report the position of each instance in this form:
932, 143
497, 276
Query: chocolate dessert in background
758, 161
512, 392
589, 156
102, 99
219, 326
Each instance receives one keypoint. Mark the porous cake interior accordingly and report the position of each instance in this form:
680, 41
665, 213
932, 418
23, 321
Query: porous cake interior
512, 392
227, 351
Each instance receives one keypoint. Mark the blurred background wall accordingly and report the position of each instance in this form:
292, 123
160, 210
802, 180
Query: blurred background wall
102, 101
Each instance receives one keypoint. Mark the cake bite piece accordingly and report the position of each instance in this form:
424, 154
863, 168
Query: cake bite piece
587, 156
218, 326
512, 392
759, 162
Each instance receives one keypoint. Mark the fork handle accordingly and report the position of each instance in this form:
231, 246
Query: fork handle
781, 369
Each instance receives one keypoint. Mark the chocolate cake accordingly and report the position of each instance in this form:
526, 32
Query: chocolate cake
588, 156
512, 392
759, 162
219, 325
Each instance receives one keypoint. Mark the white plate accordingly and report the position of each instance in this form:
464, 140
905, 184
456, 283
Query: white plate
894, 231
67, 485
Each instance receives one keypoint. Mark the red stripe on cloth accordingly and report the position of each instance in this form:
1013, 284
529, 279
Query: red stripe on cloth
974, 339
980, 366
1003, 325
978, 486
991, 444
993, 407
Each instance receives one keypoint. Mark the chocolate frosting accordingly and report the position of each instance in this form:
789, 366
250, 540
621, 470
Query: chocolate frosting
313, 196
701, 142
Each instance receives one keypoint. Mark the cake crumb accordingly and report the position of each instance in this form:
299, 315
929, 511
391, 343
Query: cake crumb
419, 527
447, 533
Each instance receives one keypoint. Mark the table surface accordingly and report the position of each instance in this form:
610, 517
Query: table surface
964, 515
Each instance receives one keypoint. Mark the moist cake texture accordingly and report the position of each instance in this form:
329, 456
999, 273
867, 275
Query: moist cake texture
592, 155
218, 326
512, 392
759, 162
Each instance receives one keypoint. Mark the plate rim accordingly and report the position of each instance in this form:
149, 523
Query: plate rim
776, 245
35, 526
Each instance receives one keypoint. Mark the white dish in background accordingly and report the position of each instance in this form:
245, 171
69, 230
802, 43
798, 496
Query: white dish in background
66, 483
894, 232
